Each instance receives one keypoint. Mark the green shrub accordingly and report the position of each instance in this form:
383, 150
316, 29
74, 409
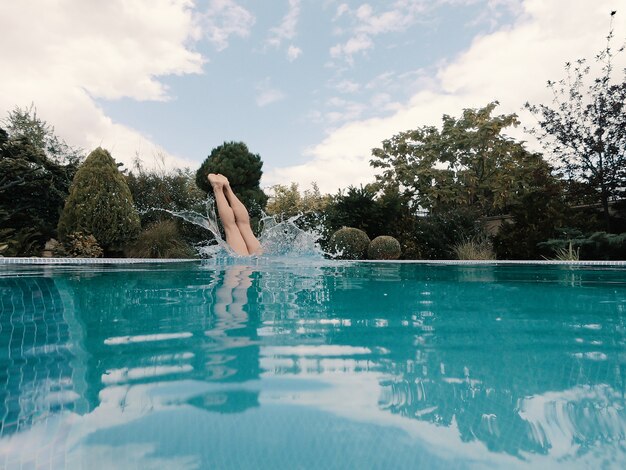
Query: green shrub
80, 245
349, 243
384, 247
100, 204
596, 246
23, 242
33, 189
161, 240
435, 235
477, 248
567, 254
173, 190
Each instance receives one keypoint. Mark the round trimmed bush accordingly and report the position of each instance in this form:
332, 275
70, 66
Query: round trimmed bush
384, 247
349, 243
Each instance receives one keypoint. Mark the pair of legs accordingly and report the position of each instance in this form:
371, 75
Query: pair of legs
234, 217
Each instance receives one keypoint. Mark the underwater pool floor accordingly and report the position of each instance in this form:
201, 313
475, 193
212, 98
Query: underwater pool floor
312, 364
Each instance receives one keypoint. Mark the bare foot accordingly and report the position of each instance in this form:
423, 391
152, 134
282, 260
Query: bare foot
224, 180
215, 180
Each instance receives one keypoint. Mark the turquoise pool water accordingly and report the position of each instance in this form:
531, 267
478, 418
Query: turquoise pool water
315, 365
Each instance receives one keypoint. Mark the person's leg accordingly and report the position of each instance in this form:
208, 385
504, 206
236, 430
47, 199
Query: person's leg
234, 237
242, 219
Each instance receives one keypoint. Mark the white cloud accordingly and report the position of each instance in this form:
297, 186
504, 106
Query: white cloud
225, 18
267, 94
511, 65
287, 28
347, 86
357, 43
293, 53
367, 24
85, 50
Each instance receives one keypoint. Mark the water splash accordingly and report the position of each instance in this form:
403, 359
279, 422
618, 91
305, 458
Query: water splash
278, 237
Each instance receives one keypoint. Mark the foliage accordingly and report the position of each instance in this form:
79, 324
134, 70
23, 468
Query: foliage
477, 248
310, 206
436, 234
24, 123
80, 245
384, 247
468, 163
288, 202
585, 127
243, 170
356, 208
537, 216
22, 242
33, 189
174, 190
567, 254
594, 246
100, 204
161, 240
349, 243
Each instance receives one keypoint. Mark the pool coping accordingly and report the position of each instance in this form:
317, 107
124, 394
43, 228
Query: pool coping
46, 261
89, 261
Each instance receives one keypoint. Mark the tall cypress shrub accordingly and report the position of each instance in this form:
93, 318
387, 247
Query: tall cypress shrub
100, 204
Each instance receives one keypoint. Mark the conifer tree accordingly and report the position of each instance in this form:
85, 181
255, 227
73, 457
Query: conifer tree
243, 170
100, 204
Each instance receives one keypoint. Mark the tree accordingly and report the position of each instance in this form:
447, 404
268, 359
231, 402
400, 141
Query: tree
585, 127
468, 163
243, 170
33, 189
538, 215
24, 123
174, 190
287, 201
100, 204
356, 208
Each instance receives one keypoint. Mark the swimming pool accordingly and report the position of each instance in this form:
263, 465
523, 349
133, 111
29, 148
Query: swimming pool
319, 364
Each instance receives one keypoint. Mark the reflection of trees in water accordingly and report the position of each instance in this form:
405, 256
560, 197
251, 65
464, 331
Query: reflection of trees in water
456, 346
290, 294
38, 367
477, 354
69, 338
153, 326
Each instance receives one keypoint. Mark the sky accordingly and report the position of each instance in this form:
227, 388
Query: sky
309, 85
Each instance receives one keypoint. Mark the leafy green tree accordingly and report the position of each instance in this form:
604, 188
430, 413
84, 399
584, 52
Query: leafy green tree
243, 170
285, 201
288, 201
310, 205
585, 127
100, 204
468, 163
434, 236
538, 214
24, 123
33, 189
357, 208
174, 190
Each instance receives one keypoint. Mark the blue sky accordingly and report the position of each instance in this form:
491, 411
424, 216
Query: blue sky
311, 86
227, 101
